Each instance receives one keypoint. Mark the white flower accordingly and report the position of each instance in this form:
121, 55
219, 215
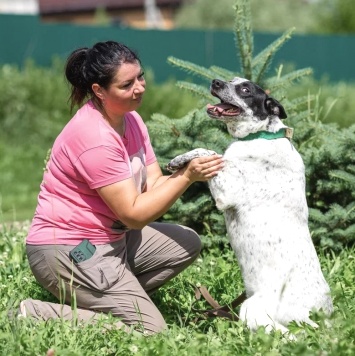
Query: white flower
180, 337
133, 348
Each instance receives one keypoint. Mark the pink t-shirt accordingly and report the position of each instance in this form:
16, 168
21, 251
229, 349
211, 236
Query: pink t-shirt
86, 155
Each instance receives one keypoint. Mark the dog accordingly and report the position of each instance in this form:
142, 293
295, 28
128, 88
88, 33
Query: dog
261, 191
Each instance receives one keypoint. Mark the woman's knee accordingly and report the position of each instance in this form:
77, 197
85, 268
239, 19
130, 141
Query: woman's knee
186, 238
155, 327
194, 243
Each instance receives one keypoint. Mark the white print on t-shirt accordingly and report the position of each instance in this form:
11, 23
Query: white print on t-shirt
139, 173
139, 170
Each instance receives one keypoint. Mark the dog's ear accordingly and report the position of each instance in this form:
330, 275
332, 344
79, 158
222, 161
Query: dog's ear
273, 107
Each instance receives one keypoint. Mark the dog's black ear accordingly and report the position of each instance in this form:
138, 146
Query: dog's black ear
273, 107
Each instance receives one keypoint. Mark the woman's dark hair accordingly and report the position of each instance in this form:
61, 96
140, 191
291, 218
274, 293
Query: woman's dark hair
99, 64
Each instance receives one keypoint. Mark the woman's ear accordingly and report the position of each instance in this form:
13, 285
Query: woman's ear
97, 90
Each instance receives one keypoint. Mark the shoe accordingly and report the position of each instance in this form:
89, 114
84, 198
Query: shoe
22, 313
18, 313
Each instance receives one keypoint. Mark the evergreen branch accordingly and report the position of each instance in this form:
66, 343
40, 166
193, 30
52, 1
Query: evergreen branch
160, 120
260, 72
351, 168
296, 103
301, 116
191, 68
276, 82
160, 125
244, 36
193, 210
223, 73
338, 215
344, 176
195, 88
330, 107
316, 215
262, 61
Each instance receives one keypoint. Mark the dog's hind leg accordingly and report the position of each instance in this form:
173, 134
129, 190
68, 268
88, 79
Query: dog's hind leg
259, 311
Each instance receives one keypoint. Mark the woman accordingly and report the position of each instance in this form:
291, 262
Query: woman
93, 238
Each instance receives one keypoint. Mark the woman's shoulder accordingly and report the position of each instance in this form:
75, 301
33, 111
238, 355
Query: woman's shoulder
86, 112
86, 130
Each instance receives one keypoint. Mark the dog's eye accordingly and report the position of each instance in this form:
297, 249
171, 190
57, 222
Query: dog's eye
245, 90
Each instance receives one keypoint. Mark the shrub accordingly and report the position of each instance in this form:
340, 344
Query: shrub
33, 110
328, 155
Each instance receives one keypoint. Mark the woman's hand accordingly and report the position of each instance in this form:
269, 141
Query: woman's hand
203, 168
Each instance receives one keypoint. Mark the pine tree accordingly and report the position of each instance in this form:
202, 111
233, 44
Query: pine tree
331, 188
330, 173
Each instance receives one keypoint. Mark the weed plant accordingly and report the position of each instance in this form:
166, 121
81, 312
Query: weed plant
216, 268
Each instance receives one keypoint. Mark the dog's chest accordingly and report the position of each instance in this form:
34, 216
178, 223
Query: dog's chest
269, 155
262, 193
259, 173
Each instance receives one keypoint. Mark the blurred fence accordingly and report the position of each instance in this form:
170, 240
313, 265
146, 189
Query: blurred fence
23, 37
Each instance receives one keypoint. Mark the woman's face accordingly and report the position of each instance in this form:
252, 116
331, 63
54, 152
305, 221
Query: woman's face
126, 91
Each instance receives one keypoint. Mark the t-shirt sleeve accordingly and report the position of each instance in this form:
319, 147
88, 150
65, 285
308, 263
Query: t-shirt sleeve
103, 165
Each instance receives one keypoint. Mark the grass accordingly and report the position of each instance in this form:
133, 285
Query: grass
217, 269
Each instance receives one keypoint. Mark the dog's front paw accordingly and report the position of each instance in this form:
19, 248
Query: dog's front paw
180, 161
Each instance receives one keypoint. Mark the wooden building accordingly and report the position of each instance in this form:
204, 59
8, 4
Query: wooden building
125, 13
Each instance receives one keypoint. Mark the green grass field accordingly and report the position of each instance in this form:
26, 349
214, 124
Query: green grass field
30, 120
217, 269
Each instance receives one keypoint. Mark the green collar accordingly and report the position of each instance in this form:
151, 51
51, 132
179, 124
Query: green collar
283, 133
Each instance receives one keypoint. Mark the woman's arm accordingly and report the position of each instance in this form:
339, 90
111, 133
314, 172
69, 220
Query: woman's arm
137, 210
155, 176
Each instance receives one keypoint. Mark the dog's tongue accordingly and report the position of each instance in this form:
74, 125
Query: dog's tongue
219, 107
223, 109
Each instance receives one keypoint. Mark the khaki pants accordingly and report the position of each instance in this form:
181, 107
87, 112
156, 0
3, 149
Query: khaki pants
118, 278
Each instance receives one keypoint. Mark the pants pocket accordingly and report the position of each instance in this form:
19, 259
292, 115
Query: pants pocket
97, 273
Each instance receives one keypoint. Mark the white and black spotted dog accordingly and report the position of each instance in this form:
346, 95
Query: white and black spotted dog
261, 191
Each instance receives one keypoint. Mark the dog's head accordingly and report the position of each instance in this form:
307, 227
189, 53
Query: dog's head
245, 107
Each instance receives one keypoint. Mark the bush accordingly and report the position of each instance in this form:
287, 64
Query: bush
328, 151
33, 110
31, 103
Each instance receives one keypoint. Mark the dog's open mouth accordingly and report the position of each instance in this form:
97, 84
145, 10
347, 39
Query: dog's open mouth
223, 110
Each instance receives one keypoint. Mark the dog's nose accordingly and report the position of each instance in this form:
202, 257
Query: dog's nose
217, 84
